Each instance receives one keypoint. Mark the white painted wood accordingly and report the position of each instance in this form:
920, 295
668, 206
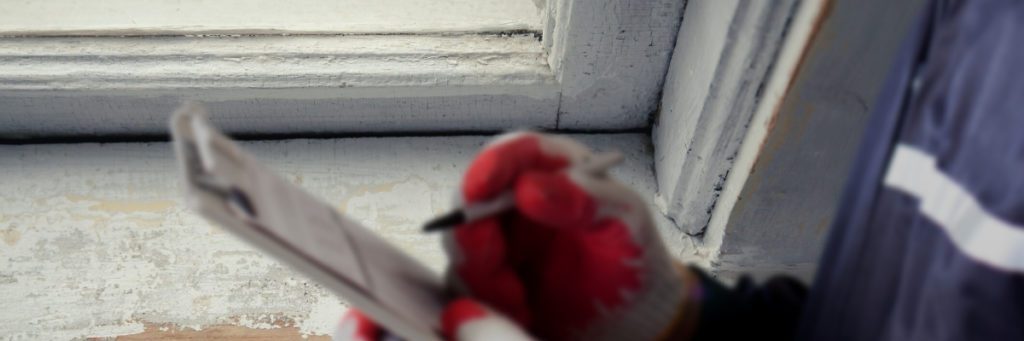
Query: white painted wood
777, 205
132, 17
266, 84
270, 62
798, 39
610, 56
605, 68
724, 52
95, 240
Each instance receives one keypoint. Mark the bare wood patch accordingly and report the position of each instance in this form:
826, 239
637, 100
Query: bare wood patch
170, 331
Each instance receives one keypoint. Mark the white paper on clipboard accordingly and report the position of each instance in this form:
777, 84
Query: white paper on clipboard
229, 187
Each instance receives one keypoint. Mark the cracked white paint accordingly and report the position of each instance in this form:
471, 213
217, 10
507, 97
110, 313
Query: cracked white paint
95, 241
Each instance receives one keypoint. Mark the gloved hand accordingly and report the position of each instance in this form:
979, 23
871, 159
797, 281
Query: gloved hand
577, 259
463, 319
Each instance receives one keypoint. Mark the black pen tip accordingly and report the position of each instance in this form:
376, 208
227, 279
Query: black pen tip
448, 220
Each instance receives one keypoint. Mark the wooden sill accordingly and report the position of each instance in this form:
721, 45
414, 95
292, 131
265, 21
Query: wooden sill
97, 241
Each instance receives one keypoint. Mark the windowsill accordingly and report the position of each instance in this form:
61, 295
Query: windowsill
109, 219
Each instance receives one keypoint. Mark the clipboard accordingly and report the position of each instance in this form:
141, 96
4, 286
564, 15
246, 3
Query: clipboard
231, 188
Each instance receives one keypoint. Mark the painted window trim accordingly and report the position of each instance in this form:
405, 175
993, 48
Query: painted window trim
605, 64
610, 58
734, 59
108, 86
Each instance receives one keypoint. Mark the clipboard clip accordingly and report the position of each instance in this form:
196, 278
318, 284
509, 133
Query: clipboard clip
229, 187
213, 186
233, 196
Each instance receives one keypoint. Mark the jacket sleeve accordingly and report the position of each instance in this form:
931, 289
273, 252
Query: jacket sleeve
768, 311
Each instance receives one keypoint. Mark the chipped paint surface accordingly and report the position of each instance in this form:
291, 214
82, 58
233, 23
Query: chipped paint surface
97, 242
723, 58
610, 57
169, 331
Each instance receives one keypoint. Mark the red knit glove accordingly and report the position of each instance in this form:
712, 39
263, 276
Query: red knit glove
577, 259
464, 319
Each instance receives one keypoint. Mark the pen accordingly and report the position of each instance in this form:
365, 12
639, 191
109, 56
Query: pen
596, 165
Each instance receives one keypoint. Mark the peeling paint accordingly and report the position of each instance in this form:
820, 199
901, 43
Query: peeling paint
10, 236
170, 331
126, 206
610, 57
98, 244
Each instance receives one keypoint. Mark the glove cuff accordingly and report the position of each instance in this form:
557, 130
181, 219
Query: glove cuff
684, 323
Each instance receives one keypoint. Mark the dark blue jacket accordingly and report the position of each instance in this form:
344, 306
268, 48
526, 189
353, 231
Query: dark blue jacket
928, 242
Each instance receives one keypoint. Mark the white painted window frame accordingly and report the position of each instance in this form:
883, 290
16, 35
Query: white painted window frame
733, 58
600, 67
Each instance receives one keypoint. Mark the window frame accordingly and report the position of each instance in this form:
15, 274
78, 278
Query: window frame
606, 63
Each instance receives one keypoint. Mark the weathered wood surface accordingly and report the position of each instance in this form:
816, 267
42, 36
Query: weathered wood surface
723, 57
601, 67
96, 241
787, 179
610, 58
87, 86
129, 17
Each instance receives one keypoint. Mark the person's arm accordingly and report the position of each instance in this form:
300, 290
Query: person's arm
766, 311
